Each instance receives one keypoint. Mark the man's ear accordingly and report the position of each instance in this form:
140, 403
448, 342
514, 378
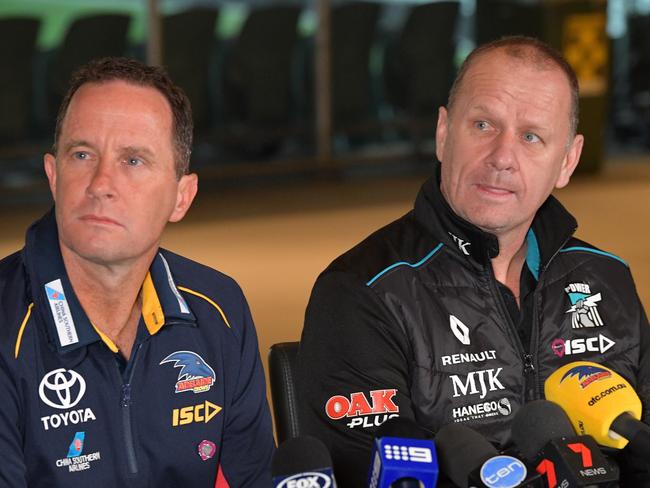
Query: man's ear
570, 162
188, 185
49, 163
441, 132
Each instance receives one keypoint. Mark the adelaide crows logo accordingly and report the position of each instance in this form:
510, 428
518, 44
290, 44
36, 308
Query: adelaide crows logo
195, 374
587, 374
584, 306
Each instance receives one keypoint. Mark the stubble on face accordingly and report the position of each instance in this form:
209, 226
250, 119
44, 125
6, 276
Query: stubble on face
503, 144
114, 179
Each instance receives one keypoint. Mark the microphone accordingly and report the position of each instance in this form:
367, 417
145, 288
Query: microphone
469, 460
545, 437
302, 462
403, 456
601, 403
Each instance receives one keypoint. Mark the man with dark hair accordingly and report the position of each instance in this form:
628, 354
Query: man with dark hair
121, 363
459, 304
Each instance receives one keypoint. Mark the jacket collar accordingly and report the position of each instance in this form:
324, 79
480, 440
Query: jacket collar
67, 325
552, 226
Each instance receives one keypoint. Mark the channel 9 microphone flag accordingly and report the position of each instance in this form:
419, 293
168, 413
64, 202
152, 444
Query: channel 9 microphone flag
302, 462
601, 403
403, 456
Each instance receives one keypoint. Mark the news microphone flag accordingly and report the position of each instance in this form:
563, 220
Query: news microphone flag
395, 459
543, 433
593, 396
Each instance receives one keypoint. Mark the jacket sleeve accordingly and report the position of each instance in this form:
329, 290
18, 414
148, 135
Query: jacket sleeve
13, 472
248, 444
352, 372
635, 470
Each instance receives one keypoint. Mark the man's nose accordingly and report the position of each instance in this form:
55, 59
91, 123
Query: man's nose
102, 182
503, 156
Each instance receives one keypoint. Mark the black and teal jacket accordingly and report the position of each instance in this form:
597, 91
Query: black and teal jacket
187, 409
411, 322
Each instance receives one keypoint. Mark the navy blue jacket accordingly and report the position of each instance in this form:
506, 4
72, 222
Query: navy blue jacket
188, 409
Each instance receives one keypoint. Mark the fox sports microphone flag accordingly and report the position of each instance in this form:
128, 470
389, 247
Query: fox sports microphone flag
302, 462
593, 397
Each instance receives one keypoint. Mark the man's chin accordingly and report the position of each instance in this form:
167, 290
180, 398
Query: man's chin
103, 254
490, 221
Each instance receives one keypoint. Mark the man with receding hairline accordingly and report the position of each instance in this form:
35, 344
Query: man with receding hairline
121, 363
459, 304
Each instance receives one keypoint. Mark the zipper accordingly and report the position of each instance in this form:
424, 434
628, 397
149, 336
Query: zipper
535, 391
125, 404
527, 358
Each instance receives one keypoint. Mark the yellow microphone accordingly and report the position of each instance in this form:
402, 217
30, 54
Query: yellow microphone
600, 403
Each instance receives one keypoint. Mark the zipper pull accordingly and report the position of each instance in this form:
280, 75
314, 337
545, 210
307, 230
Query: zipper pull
126, 395
529, 367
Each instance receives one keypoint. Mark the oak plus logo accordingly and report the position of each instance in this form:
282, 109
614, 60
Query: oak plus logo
63, 389
477, 383
460, 330
359, 410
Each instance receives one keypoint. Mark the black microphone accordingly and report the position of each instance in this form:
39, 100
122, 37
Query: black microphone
544, 435
302, 461
636, 432
403, 427
469, 460
403, 456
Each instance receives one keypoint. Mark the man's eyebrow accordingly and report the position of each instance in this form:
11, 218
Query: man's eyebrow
529, 123
479, 108
145, 151
76, 143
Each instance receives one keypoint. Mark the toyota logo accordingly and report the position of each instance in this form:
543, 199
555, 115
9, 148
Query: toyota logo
59, 388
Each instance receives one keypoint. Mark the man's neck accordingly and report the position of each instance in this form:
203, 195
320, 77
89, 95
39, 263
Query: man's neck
109, 294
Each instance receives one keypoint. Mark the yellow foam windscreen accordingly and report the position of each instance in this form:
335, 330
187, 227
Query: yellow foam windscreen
593, 396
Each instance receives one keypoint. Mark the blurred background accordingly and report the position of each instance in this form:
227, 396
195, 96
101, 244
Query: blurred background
314, 120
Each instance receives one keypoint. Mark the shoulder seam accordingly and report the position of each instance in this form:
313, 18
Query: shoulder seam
207, 299
19, 338
595, 251
417, 264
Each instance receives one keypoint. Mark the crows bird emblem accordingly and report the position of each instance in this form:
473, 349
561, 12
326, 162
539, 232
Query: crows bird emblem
587, 374
194, 375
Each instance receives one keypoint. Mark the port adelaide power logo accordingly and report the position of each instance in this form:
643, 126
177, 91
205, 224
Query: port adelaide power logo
584, 306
